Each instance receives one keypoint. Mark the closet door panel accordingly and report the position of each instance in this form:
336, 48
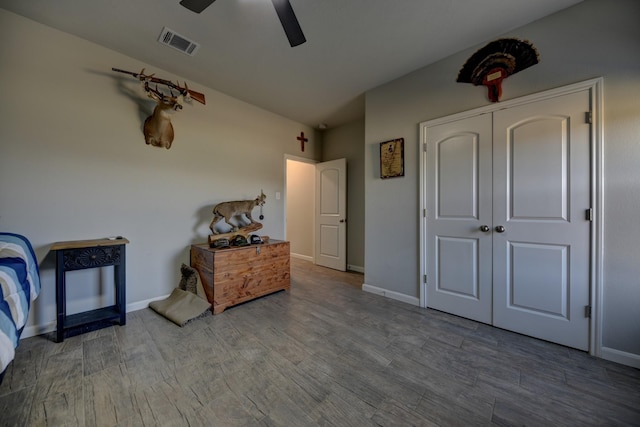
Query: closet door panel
538, 170
541, 257
459, 203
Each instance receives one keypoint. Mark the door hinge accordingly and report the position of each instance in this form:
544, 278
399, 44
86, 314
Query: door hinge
589, 214
587, 311
425, 278
424, 213
588, 117
424, 147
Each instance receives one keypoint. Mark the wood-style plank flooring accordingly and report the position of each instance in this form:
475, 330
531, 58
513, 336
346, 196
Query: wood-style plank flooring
324, 353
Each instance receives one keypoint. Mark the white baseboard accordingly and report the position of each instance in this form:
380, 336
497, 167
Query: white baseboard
135, 306
391, 294
33, 330
356, 268
300, 256
621, 357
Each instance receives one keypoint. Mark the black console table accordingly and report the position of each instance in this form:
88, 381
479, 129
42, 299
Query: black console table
80, 255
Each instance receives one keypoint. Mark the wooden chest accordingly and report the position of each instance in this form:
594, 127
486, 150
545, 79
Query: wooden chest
235, 275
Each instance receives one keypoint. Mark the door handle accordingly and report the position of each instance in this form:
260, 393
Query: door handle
500, 229
485, 228
343, 220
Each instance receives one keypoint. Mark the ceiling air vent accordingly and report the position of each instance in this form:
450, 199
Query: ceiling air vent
178, 42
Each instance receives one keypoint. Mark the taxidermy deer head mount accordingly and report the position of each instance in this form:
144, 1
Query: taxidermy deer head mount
158, 130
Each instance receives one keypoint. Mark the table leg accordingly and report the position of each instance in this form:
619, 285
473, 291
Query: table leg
61, 298
120, 278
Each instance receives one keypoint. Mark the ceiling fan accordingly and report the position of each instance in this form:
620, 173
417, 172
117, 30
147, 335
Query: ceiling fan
283, 9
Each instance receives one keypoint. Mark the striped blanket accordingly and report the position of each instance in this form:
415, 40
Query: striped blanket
19, 286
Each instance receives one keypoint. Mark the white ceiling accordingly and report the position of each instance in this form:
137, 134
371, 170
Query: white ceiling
352, 45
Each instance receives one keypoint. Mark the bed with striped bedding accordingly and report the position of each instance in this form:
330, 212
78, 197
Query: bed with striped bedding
19, 287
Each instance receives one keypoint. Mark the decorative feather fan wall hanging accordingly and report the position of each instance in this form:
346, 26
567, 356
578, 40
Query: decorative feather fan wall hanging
495, 62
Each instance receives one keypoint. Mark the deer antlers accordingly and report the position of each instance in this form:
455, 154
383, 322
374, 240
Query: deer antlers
174, 101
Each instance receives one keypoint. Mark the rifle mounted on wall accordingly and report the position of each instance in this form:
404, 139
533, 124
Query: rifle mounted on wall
149, 78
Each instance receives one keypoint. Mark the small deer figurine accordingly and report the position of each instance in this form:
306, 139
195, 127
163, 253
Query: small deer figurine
158, 130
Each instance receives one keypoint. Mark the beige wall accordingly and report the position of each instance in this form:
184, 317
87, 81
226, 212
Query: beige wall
74, 165
300, 201
596, 38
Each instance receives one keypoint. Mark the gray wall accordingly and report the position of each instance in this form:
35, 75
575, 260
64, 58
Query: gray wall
74, 164
346, 142
592, 39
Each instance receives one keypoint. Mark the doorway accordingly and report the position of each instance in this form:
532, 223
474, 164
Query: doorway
300, 176
316, 211
509, 216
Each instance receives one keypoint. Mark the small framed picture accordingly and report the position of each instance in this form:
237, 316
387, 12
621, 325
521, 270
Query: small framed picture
392, 158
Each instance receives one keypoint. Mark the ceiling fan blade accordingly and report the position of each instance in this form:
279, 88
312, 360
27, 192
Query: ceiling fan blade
196, 6
289, 22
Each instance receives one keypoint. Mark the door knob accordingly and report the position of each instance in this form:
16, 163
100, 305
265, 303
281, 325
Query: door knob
484, 228
343, 220
500, 229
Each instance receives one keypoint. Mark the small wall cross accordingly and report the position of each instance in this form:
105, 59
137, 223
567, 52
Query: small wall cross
302, 140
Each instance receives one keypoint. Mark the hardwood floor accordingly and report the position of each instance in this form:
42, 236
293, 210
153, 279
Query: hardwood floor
321, 354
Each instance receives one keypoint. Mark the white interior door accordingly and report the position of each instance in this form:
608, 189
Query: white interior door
508, 240
541, 261
458, 204
331, 214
